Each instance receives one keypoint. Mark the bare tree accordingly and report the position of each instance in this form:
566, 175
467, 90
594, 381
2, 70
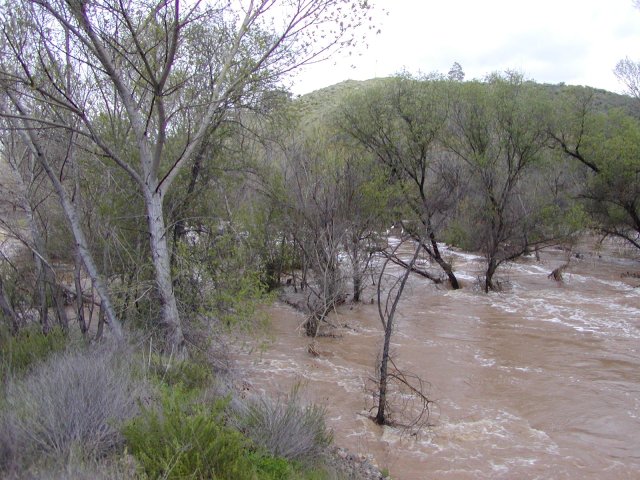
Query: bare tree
313, 209
409, 385
628, 72
30, 199
363, 198
7, 309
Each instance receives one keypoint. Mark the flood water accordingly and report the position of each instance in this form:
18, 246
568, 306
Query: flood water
539, 381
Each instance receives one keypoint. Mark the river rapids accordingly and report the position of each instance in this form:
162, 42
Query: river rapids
538, 381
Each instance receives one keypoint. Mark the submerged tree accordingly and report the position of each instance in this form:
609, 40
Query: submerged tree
388, 373
607, 145
400, 123
498, 130
329, 199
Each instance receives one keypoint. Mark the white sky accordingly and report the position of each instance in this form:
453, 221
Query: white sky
577, 42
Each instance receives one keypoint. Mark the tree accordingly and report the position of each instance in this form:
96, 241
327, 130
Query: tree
628, 72
498, 130
387, 316
400, 123
363, 196
607, 145
144, 73
311, 200
456, 73
29, 198
408, 386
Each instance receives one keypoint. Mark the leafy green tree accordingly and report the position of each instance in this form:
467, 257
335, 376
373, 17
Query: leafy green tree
607, 145
498, 130
400, 122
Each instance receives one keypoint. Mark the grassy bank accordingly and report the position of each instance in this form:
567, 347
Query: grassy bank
69, 410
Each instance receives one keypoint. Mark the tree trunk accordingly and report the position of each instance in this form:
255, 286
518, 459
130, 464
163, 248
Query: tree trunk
41, 291
357, 284
162, 264
423, 273
37, 244
45, 275
7, 310
72, 217
381, 418
446, 267
90, 266
434, 252
491, 270
58, 299
382, 390
79, 300
357, 270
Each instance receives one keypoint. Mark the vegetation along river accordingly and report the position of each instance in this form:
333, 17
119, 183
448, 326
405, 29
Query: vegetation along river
541, 380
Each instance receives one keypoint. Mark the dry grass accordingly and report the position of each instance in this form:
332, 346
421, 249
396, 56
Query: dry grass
285, 427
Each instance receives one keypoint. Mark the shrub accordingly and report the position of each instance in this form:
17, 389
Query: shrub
20, 352
71, 406
188, 441
188, 374
118, 467
285, 428
273, 468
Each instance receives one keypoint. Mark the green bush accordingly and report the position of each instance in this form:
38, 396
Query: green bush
20, 352
457, 235
188, 441
273, 468
188, 374
278, 468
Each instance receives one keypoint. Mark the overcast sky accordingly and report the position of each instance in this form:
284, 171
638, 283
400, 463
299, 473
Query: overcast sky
577, 42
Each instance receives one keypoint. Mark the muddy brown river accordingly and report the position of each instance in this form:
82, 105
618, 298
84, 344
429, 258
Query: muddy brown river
539, 381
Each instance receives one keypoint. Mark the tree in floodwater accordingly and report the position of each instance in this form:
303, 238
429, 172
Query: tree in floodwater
399, 121
498, 130
607, 146
309, 195
388, 373
330, 199
363, 190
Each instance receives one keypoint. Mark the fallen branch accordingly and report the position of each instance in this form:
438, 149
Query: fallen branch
393, 258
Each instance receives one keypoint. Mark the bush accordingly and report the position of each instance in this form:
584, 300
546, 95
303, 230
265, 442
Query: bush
188, 374
119, 467
273, 468
285, 428
188, 441
71, 406
28, 347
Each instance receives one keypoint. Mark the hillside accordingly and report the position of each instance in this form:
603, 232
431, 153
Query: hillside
320, 102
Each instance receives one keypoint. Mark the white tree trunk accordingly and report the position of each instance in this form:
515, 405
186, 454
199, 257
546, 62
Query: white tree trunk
71, 214
162, 263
